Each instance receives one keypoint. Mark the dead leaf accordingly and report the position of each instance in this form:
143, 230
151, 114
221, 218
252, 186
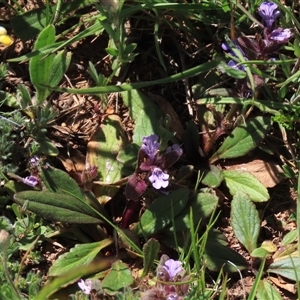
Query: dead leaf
290, 287
73, 160
267, 172
167, 108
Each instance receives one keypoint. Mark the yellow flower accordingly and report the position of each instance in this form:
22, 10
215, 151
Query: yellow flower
5, 39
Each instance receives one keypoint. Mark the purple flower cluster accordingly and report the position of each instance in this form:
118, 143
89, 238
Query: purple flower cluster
260, 48
168, 271
151, 167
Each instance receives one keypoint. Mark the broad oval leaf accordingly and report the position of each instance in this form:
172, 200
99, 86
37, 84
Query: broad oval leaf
212, 177
80, 255
58, 207
242, 181
243, 139
119, 277
103, 148
266, 290
217, 255
58, 181
202, 206
245, 220
288, 267
144, 113
161, 211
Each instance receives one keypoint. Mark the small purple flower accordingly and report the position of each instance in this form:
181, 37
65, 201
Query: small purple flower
34, 161
173, 267
150, 145
31, 181
159, 179
175, 148
232, 63
85, 286
281, 35
269, 12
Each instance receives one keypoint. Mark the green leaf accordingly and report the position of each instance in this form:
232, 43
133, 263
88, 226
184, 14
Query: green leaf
58, 181
212, 177
217, 255
243, 139
28, 25
159, 214
245, 220
266, 291
144, 113
150, 250
119, 277
103, 148
40, 66
247, 183
47, 147
202, 206
60, 65
288, 267
80, 255
260, 252
58, 207
290, 237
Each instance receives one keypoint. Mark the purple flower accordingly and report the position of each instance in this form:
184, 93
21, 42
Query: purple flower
269, 12
150, 145
31, 181
173, 267
85, 286
175, 148
159, 179
281, 35
232, 63
34, 161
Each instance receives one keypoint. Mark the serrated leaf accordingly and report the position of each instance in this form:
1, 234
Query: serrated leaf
118, 278
144, 113
242, 181
202, 206
40, 66
159, 214
288, 267
243, 139
150, 250
80, 255
212, 177
266, 291
58, 181
58, 207
245, 220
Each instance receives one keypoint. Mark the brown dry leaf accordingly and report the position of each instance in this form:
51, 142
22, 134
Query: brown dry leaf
167, 108
290, 287
267, 172
73, 161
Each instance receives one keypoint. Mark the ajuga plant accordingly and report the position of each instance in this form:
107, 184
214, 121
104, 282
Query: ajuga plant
151, 167
263, 47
